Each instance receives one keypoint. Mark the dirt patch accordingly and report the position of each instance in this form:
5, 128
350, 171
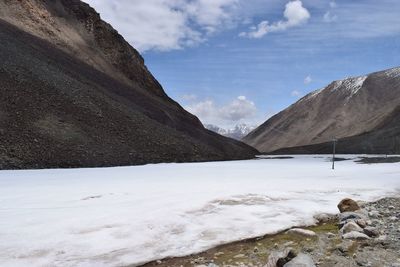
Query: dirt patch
366, 160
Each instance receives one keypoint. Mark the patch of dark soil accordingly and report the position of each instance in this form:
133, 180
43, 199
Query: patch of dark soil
278, 158
367, 160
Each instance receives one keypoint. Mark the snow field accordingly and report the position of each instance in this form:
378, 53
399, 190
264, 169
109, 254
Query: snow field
131, 215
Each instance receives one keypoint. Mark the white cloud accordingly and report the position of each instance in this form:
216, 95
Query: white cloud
203, 109
238, 109
329, 17
308, 80
295, 93
332, 4
235, 111
165, 24
189, 97
210, 14
295, 14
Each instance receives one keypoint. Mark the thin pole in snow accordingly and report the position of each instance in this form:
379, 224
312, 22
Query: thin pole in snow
334, 140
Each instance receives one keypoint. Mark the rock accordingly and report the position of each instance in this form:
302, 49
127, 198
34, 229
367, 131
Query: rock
330, 235
288, 244
344, 247
371, 231
374, 214
355, 236
362, 262
279, 259
282, 261
309, 250
382, 238
302, 232
348, 204
325, 217
346, 216
351, 227
362, 223
239, 256
198, 260
302, 260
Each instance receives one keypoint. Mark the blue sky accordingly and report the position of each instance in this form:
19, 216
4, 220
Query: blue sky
234, 61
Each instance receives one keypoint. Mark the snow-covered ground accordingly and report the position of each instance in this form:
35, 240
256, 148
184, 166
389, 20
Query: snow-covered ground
130, 215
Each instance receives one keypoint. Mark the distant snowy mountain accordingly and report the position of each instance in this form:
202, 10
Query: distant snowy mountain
238, 132
362, 112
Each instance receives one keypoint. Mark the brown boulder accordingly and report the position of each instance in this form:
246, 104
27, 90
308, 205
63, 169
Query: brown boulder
348, 204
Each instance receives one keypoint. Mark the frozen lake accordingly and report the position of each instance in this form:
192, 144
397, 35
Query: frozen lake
131, 215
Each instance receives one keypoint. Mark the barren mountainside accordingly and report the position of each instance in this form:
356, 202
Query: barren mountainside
74, 93
361, 112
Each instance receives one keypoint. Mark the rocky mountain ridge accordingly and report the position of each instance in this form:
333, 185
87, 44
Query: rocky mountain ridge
74, 93
360, 109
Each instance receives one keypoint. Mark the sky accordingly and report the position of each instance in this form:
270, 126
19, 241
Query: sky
241, 61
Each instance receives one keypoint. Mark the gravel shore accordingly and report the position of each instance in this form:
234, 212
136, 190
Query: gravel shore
369, 236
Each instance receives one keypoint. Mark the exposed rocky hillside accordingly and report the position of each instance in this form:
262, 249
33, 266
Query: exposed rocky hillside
237, 132
74, 93
361, 112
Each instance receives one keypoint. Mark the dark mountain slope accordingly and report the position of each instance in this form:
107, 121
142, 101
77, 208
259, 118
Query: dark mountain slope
76, 28
385, 139
360, 111
58, 111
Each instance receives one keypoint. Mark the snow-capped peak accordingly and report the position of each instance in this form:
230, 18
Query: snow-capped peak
237, 132
352, 85
395, 72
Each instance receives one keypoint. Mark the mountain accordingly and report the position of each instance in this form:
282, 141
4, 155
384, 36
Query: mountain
74, 93
238, 132
362, 112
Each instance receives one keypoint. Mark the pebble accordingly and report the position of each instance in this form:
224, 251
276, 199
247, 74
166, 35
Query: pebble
382, 238
361, 262
351, 216
344, 246
351, 227
301, 260
302, 232
362, 223
330, 235
325, 217
239, 256
355, 236
371, 231
374, 214
287, 244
